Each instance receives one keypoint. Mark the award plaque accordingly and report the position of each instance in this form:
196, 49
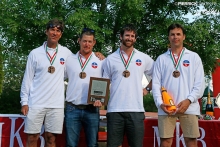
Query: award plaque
98, 90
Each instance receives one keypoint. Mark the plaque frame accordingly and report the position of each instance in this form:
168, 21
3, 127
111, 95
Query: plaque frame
98, 90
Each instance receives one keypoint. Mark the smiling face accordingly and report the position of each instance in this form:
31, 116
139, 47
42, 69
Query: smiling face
53, 36
86, 43
176, 38
128, 39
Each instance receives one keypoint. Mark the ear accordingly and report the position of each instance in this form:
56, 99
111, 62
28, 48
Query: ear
120, 37
94, 42
46, 32
184, 36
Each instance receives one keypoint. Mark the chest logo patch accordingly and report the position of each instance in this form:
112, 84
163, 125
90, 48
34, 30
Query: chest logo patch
94, 65
186, 63
138, 62
62, 61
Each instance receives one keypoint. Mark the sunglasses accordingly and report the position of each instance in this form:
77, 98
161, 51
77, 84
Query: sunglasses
54, 25
88, 30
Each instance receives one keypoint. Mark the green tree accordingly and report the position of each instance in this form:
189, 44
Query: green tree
23, 24
1, 69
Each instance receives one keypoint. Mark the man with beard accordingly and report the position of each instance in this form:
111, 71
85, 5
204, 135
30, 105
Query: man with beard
125, 112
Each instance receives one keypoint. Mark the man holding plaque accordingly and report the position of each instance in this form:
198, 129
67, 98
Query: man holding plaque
180, 72
42, 90
79, 68
125, 68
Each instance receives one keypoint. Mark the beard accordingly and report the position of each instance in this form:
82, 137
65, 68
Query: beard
127, 43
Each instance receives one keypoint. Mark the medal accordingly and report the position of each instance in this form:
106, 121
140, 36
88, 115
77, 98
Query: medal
82, 75
51, 69
126, 63
176, 62
126, 73
176, 74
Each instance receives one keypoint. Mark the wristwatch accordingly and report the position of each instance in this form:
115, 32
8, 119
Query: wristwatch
148, 89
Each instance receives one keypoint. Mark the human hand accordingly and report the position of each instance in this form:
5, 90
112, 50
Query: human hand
24, 110
183, 106
145, 92
97, 103
164, 108
99, 55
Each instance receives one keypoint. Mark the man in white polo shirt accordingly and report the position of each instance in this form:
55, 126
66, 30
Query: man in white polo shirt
78, 113
181, 72
125, 112
42, 90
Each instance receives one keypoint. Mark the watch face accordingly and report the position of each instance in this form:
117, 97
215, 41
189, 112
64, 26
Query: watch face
148, 89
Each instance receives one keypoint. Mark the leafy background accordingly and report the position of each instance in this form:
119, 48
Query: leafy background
22, 29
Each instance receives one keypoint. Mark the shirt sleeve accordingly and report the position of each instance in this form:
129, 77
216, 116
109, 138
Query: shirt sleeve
199, 81
156, 83
27, 79
106, 69
150, 67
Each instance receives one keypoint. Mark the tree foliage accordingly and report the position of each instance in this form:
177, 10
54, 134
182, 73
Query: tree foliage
22, 27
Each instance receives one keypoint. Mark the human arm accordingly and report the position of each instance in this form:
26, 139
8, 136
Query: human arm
99, 55
24, 109
97, 103
198, 81
147, 89
196, 85
26, 83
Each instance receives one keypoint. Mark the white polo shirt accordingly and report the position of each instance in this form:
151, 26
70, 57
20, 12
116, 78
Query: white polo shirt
189, 85
126, 94
41, 89
77, 89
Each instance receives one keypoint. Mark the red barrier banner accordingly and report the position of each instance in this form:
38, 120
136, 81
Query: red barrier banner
12, 135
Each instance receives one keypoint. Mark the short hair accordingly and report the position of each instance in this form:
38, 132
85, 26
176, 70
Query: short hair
176, 25
87, 31
56, 23
128, 27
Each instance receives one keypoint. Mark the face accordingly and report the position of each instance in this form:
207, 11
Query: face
128, 39
86, 43
176, 38
53, 35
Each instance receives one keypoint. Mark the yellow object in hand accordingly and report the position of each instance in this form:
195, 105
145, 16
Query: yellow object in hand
168, 100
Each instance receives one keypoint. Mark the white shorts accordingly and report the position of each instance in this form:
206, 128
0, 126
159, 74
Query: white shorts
52, 118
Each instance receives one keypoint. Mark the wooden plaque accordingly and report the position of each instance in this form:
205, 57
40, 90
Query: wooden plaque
98, 90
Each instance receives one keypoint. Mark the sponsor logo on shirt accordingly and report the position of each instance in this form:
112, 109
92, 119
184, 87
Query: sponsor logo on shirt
186, 63
138, 62
62, 61
94, 65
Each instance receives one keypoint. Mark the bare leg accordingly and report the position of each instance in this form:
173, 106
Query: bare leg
50, 139
32, 140
190, 142
166, 142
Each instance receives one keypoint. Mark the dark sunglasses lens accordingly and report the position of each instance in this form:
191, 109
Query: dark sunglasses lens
88, 30
57, 26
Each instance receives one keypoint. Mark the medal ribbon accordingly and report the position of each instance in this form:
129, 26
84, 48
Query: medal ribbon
126, 63
176, 62
51, 58
83, 65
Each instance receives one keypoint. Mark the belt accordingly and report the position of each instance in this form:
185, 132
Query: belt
78, 106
